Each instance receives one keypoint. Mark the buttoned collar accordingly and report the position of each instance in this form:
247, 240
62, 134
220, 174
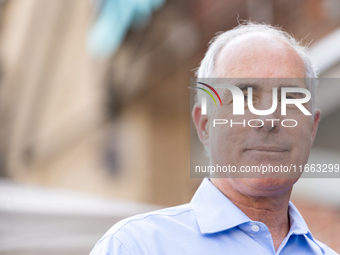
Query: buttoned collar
215, 212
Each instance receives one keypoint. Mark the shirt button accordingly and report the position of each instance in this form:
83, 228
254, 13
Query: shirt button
255, 228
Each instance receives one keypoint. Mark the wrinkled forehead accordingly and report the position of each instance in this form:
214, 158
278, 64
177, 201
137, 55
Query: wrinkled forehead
259, 55
264, 85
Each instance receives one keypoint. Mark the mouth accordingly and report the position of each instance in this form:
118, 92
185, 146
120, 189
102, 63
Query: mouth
274, 149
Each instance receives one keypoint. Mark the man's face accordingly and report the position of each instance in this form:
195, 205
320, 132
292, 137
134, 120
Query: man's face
259, 56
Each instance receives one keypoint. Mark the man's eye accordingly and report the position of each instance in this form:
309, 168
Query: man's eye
287, 97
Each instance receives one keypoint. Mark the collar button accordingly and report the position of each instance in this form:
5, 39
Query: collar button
255, 228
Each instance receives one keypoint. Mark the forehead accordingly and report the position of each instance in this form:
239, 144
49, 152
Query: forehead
259, 56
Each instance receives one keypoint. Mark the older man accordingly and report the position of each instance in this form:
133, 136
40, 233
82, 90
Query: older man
237, 215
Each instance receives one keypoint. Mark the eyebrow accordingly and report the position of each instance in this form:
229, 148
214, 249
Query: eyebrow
245, 86
297, 94
288, 86
256, 87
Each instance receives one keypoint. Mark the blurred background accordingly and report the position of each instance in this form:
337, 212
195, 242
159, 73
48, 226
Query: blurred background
95, 118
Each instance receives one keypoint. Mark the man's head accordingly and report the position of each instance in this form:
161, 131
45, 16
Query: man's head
207, 68
257, 51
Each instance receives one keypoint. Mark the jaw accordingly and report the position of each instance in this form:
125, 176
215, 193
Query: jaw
255, 187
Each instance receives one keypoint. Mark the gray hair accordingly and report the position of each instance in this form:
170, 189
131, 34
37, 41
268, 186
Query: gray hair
207, 65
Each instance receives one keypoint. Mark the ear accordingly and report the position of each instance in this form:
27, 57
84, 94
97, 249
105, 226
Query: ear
316, 120
201, 124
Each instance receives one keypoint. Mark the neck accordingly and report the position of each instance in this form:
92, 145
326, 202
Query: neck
270, 210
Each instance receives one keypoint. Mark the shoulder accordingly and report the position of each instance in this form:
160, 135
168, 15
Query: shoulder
138, 230
154, 218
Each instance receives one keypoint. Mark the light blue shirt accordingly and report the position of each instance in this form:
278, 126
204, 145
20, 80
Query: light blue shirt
209, 224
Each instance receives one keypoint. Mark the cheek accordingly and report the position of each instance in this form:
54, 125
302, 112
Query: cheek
301, 134
300, 137
226, 143
224, 138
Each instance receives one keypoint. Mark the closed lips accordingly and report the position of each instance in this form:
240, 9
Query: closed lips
268, 148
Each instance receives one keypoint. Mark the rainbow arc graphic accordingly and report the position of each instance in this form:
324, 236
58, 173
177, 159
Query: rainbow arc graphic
204, 101
209, 93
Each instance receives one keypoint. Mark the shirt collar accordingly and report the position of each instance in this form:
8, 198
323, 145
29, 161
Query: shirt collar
298, 225
215, 212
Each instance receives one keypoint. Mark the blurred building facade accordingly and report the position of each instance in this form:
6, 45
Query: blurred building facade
120, 127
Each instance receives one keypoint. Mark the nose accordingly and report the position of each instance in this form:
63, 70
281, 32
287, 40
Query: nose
270, 122
270, 125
